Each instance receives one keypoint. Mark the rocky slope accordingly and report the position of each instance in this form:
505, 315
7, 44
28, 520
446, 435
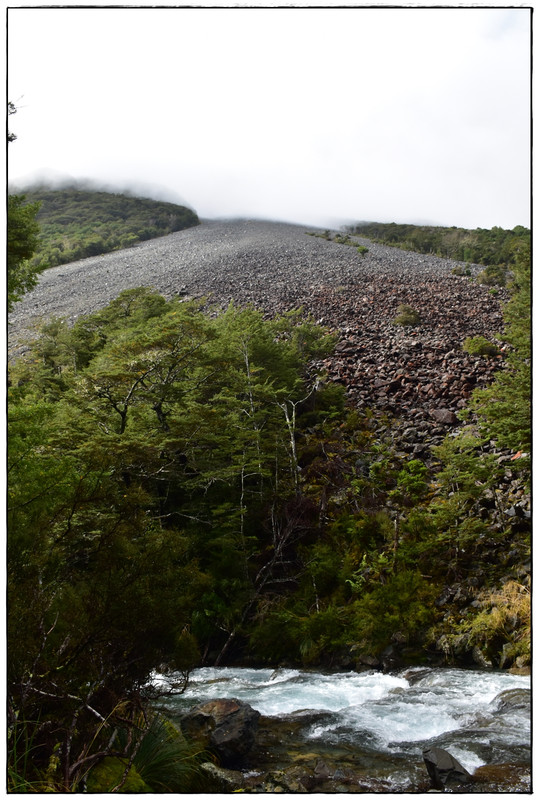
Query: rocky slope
419, 374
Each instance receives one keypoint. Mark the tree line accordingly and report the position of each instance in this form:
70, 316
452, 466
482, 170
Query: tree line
493, 246
77, 223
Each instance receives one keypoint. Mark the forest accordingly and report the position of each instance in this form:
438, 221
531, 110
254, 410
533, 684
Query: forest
76, 223
496, 246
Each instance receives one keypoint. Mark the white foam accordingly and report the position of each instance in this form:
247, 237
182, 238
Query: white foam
388, 709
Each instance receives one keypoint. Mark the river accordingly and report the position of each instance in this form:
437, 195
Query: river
386, 720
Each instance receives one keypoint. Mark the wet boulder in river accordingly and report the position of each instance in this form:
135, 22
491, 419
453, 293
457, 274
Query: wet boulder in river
227, 727
444, 768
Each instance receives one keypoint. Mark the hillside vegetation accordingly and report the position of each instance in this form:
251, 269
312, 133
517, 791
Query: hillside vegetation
479, 246
185, 488
77, 223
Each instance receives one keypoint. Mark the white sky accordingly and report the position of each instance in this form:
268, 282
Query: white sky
311, 115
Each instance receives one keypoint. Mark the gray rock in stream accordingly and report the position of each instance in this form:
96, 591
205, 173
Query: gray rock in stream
443, 768
225, 726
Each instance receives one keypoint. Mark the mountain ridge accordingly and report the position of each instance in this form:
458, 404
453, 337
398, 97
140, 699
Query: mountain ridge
77, 222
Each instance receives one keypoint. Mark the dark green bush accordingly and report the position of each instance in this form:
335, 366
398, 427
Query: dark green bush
493, 275
403, 605
460, 270
479, 346
407, 316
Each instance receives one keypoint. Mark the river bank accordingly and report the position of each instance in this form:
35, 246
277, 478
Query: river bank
366, 732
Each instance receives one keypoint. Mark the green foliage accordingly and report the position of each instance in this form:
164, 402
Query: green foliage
460, 270
342, 238
22, 242
291, 632
77, 223
397, 532
113, 773
22, 239
500, 626
374, 567
412, 483
403, 605
164, 760
480, 246
505, 406
465, 471
479, 346
407, 316
493, 275
181, 486
154, 483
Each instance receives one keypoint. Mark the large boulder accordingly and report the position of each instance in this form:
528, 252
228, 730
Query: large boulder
443, 768
510, 699
444, 415
227, 727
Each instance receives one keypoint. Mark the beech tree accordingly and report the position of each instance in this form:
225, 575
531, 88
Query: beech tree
22, 241
149, 466
505, 406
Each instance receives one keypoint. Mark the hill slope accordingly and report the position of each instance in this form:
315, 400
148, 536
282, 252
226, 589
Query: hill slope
418, 373
481, 246
77, 223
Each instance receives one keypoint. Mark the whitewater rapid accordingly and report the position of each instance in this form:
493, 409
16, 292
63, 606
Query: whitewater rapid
480, 717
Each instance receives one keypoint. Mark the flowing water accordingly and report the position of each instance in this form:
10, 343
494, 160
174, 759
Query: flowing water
479, 717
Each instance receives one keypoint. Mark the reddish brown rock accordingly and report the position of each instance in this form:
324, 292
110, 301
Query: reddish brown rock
444, 415
225, 726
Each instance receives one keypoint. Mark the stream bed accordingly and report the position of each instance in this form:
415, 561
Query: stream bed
369, 729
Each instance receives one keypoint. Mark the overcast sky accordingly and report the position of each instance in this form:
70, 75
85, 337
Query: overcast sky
312, 115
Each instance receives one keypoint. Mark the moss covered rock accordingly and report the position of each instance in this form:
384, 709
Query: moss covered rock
109, 774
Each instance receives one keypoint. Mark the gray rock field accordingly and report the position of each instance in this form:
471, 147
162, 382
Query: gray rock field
418, 373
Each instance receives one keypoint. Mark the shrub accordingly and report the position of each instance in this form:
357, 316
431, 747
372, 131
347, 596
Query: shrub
167, 762
362, 250
162, 761
404, 605
407, 316
503, 618
493, 275
479, 346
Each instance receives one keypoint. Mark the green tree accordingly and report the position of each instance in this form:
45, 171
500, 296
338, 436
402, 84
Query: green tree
505, 406
149, 476
22, 242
